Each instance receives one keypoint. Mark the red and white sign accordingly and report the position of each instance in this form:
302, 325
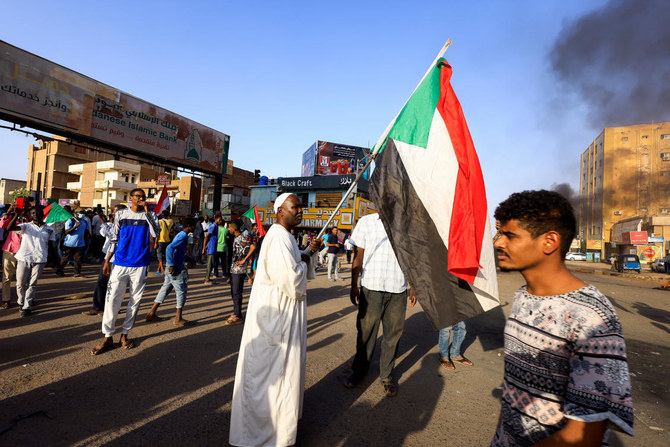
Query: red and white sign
635, 237
163, 180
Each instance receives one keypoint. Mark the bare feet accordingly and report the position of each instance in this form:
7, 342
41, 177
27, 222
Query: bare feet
106, 345
126, 343
182, 322
152, 318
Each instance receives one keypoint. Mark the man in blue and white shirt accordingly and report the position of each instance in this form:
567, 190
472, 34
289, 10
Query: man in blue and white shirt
131, 248
176, 274
381, 298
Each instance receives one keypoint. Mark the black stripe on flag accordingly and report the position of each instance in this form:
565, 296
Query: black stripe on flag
422, 255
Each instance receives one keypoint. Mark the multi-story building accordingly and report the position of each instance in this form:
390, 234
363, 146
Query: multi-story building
49, 163
107, 183
624, 174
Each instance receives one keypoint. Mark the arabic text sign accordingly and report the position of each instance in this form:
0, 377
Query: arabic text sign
51, 97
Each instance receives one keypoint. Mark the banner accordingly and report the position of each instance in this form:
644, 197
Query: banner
49, 97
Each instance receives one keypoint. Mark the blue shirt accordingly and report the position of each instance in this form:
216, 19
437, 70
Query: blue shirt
213, 239
176, 251
130, 236
76, 238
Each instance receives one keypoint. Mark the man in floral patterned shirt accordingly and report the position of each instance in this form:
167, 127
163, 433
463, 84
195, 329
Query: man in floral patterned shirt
566, 372
243, 249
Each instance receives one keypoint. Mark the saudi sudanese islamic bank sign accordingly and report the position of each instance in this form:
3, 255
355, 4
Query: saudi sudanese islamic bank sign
49, 97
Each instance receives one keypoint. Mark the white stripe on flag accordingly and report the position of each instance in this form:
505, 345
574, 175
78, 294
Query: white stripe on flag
433, 172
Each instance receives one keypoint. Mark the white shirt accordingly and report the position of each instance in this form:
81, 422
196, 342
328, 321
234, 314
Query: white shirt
34, 242
96, 223
380, 270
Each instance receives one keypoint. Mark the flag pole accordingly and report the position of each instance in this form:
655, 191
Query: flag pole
375, 149
346, 195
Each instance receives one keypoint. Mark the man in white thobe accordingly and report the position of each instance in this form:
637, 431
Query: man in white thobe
270, 376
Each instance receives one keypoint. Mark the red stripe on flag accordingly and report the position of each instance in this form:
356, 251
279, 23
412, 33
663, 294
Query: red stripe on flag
259, 224
468, 218
158, 208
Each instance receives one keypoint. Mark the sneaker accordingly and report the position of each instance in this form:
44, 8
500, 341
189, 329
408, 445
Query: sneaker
159, 274
331, 280
25, 312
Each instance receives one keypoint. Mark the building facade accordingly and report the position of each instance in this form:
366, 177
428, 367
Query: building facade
624, 174
49, 167
8, 185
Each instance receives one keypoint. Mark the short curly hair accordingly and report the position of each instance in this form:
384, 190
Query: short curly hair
539, 212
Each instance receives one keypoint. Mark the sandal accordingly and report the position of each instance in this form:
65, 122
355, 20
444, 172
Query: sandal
389, 388
447, 364
102, 347
127, 343
234, 319
152, 318
462, 360
5, 305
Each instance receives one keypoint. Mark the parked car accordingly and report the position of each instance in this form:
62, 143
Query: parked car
575, 256
659, 264
624, 263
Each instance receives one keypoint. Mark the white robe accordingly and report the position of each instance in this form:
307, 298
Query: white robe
270, 375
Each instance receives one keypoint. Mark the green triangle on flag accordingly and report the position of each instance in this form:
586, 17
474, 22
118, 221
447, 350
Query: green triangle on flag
57, 214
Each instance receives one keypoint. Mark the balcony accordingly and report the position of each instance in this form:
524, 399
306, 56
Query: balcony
74, 186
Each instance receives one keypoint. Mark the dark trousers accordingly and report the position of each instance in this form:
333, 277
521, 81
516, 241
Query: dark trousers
376, 307
95, 250
77, 253
236, 290
220, 261
349, 256
100, 291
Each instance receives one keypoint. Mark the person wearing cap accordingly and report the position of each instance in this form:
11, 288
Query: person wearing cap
270, 375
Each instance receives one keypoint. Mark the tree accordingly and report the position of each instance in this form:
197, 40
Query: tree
19, 192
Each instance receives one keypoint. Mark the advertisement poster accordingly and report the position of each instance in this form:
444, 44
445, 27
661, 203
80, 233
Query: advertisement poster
337, 159
308, 161
649, 253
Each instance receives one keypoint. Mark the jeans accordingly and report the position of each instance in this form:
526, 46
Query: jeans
220, 261
178, 282
375, 307
26, 280
333, 269
236, 290
443, 341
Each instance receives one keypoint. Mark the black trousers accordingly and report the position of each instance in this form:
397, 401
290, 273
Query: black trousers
236, 290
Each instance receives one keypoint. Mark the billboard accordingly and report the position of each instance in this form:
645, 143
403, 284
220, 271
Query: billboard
326, 158
308, 160
46, 96
635, 237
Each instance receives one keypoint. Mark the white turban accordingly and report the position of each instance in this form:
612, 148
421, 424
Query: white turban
281, 199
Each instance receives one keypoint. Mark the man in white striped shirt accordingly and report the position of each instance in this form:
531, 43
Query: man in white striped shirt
381, 298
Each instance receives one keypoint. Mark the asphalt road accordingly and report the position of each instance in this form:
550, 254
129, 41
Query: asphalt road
175, 388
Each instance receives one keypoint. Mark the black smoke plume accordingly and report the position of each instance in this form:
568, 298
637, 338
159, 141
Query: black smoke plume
617, 59
566, 191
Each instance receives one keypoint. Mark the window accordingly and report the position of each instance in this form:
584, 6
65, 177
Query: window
665, 156
644, 137
624, 138
665, 136
665, 173
665, 210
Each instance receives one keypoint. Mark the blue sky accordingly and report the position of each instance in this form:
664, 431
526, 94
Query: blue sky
277, 76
